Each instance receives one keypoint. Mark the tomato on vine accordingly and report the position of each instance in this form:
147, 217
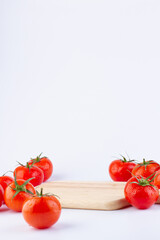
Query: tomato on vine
140, 193
42, 210
146, 168
29, 171
17, 192
156, 180
1, 195
45, 164
5, 181
120, 169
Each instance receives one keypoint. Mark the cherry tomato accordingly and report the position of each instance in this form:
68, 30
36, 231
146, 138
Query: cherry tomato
140, 193
1, 195
41, 211
29, 171
120, 170
44, 164
5, 181
157, 179
146, 168
17, 192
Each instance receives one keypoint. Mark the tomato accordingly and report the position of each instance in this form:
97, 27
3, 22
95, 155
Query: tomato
26, 172
17, 192
120, 170
41, 211
157, 179
146, 168
140, 193
44, 164
5, 181
1, 195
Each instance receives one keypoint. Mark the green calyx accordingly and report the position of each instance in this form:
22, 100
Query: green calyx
37, 159
145, 181
34, 160
40, 194
144, 163
27, 165
123, 159
21, 188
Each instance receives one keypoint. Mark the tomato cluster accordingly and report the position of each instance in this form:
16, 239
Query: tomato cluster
39, 168
19, 194
43, 210
143, 180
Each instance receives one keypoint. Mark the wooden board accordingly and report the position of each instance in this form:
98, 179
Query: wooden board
88, 195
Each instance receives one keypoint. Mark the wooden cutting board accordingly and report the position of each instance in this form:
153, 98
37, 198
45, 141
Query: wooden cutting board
88, 195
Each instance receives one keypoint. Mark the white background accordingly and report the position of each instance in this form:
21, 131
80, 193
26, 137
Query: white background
80, 82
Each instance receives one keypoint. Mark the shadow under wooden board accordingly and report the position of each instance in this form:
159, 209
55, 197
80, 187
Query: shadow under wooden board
88, 195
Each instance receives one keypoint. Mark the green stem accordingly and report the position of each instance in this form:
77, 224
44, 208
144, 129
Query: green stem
41, 192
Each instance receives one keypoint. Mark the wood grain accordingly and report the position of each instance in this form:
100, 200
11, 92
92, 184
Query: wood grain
88, 195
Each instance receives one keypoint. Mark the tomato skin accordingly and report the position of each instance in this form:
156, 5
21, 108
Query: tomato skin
1, 195
120, 170
25, 173
45, 165
157, 179
41, 212
145, 171
141, 197
5, 181
17, 202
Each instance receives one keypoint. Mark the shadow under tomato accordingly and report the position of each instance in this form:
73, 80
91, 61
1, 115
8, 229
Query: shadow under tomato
56, 227
4, 208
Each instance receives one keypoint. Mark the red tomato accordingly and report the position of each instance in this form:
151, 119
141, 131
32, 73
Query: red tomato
16, 193
146, 168
44, 164
1, 195
5, 181
157, 179
140, 193
26, 172
41, 211
120, 170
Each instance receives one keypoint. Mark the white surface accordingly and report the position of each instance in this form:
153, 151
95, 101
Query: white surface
79, 81
82, 224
